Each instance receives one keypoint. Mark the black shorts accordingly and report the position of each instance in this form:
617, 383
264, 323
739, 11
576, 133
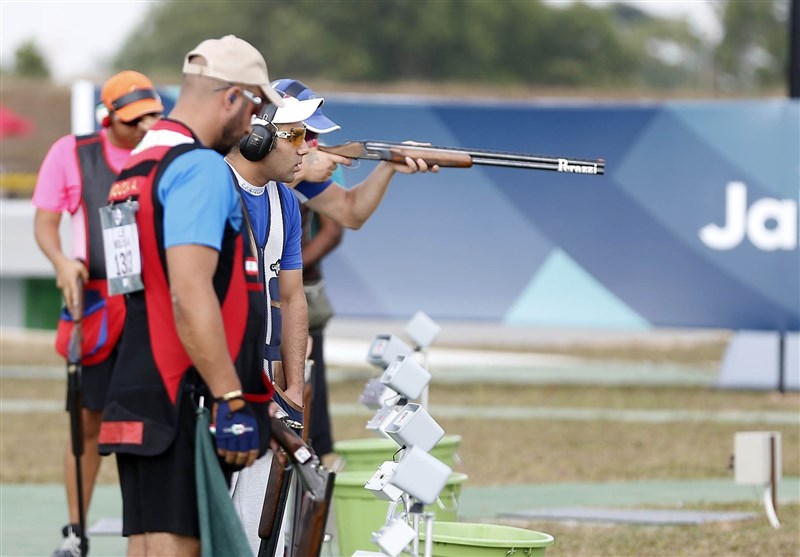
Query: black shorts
95, 380
159, 492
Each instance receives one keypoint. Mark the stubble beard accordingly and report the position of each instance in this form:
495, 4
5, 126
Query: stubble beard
230, 133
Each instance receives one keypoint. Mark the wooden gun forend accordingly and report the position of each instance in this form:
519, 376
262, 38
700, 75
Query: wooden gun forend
397, 152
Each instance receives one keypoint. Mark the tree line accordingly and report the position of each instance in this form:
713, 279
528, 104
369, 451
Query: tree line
494, 42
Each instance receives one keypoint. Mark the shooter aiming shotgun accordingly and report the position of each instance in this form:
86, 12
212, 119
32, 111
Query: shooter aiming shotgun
462, 158
75, 402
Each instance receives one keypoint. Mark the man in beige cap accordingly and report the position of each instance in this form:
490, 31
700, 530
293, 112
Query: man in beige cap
189, 336
75, 178
216, 58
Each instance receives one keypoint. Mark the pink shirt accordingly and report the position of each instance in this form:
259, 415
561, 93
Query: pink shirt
58, 186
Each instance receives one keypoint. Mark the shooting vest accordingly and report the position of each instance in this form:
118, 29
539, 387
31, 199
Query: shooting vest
153, 368
96, 180
264, 252
103, 315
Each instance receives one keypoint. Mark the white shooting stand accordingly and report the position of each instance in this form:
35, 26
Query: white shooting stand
757, 461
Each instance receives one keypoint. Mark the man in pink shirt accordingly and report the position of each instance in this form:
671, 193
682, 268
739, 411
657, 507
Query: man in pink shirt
75, 177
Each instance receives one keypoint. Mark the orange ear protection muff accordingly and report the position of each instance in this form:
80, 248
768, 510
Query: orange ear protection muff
261, 140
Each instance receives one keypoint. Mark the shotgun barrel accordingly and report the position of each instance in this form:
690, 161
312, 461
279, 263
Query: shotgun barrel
307, 541
463, 157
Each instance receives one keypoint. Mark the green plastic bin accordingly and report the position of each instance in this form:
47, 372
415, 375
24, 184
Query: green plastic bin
359, 513
369, 454
465, 539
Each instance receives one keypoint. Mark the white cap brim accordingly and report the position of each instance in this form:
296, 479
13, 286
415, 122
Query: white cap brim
294, 110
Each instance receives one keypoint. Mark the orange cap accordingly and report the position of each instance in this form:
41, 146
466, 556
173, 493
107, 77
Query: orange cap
130, 95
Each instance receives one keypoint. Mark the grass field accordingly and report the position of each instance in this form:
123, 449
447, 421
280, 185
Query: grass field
567, 451
498, 452
755, 538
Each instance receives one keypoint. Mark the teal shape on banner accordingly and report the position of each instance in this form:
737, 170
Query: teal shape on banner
563, 294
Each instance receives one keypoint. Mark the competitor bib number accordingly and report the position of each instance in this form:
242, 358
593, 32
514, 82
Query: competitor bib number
121, 247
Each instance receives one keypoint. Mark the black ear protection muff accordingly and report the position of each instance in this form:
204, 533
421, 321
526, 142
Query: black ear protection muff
261, 140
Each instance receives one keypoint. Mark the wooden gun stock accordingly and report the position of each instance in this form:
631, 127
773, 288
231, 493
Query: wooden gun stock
463, 158
274, 497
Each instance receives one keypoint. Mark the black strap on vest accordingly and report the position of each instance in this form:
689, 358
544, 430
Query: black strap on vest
253, 244
96, 179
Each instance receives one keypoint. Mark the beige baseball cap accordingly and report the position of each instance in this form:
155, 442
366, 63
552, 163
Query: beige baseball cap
233, 60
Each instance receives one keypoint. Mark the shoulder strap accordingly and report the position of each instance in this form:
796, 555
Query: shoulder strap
273, 249
89, 137
245, 215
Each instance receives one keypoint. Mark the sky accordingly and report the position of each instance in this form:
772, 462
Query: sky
78, 39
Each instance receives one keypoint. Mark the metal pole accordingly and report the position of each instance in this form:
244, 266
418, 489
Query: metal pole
429, 517
781, 362
423, 397
793, 66
773, 476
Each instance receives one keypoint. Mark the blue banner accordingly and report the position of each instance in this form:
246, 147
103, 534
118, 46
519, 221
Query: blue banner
694, 224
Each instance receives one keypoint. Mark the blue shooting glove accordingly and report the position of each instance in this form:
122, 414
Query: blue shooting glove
236, 430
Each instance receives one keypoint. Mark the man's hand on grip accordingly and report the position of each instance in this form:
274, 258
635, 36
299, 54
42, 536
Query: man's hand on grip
318, 165
67, 273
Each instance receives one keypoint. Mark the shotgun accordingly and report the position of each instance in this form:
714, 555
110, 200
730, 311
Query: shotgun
75, 403
304, 462
462, 158
317, 489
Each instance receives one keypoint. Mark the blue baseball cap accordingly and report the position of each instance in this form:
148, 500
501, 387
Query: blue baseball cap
317, 122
